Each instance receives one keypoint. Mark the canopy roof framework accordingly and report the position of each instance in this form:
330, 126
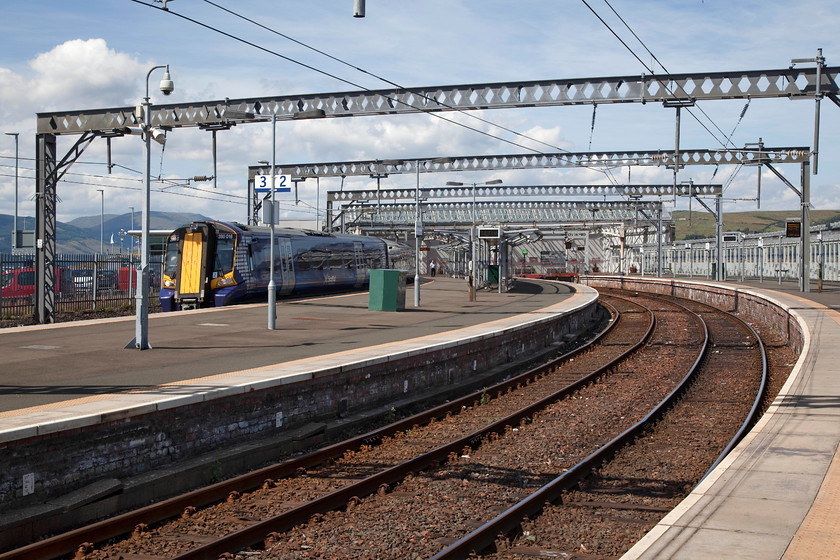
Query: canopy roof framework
543, 215
455, 207
790, 83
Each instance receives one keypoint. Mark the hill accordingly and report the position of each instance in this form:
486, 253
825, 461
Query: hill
82, 234
701, 224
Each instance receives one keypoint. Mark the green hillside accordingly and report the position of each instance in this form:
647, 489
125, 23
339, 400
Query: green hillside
701, 224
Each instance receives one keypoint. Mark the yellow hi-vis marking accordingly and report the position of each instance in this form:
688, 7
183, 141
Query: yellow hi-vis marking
191, 264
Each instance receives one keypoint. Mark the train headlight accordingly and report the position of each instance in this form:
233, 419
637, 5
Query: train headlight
225, 281
169, 283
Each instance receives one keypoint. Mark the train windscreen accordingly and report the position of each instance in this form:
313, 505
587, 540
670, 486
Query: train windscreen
170, 263
225, 248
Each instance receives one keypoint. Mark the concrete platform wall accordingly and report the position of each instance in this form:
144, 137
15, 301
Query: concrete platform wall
720, 296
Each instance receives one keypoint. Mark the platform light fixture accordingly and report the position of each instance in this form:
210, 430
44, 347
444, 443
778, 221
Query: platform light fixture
358, 8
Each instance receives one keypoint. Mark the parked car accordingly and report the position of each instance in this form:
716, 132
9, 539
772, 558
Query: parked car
107, 280
83, 279
21, 283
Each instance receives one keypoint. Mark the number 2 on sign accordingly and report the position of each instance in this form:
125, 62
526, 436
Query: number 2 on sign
279, 182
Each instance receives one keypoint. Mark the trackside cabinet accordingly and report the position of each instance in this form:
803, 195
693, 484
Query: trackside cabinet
387, 290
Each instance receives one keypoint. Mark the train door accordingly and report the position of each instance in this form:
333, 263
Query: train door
361, 264
191, 276
283, 248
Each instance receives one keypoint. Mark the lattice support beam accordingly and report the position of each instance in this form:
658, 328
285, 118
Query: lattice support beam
790, 83
599, 160
542, 191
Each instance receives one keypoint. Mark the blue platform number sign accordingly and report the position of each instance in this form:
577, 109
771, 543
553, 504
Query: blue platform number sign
282, 184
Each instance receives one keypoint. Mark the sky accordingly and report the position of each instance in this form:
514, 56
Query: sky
62, 55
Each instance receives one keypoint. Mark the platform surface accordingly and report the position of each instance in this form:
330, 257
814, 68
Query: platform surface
53, 374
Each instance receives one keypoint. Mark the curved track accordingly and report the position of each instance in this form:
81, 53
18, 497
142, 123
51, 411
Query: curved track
446, 482
623, 498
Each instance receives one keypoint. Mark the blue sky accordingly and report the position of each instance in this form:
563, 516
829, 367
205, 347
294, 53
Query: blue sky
72, 55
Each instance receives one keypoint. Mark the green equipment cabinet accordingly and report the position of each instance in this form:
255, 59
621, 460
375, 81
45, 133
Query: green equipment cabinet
493, 273
387, 290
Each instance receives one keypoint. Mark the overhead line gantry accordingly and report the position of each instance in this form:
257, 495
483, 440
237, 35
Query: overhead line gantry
791, 83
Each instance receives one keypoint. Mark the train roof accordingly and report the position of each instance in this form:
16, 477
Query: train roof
283, 230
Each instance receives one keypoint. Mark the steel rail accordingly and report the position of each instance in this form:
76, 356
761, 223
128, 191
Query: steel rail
752, 416
256, 533
67, 542
509, 520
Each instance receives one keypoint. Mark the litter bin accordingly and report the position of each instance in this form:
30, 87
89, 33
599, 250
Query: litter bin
387, 290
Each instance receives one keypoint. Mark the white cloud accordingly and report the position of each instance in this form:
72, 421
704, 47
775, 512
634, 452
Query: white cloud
434, 42
84, 72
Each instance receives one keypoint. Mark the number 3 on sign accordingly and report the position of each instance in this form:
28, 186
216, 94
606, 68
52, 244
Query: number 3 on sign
281, 183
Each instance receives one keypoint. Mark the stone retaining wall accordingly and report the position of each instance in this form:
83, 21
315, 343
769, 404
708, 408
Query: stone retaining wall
723, 297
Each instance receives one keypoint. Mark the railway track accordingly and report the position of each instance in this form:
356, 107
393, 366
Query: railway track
417, 486
623, 498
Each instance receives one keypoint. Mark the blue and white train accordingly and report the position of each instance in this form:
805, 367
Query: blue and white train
211, 264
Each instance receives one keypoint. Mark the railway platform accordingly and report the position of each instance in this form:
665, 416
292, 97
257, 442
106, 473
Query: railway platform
47, 368
777, 495
89, 427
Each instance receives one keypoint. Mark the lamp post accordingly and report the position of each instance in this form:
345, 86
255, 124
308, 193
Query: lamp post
272, 287
131, 249
418, 235
101, 218
473, 275
141, 336
14, 225
418, 224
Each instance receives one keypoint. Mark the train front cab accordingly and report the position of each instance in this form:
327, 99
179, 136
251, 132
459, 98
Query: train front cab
198, 266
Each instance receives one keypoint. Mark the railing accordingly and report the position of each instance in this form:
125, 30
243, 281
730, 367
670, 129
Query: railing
745, 258
83, 283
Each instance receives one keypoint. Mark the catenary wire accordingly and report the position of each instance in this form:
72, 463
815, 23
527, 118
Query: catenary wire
649, 69
349, 82
381, 78
163, 190
668, 73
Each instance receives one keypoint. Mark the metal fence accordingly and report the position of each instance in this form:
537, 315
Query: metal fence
768, 256
82, 283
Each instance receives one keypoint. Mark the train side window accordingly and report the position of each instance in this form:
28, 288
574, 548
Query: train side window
26, 278
259, 255
336, 259
302, 259
319, 259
